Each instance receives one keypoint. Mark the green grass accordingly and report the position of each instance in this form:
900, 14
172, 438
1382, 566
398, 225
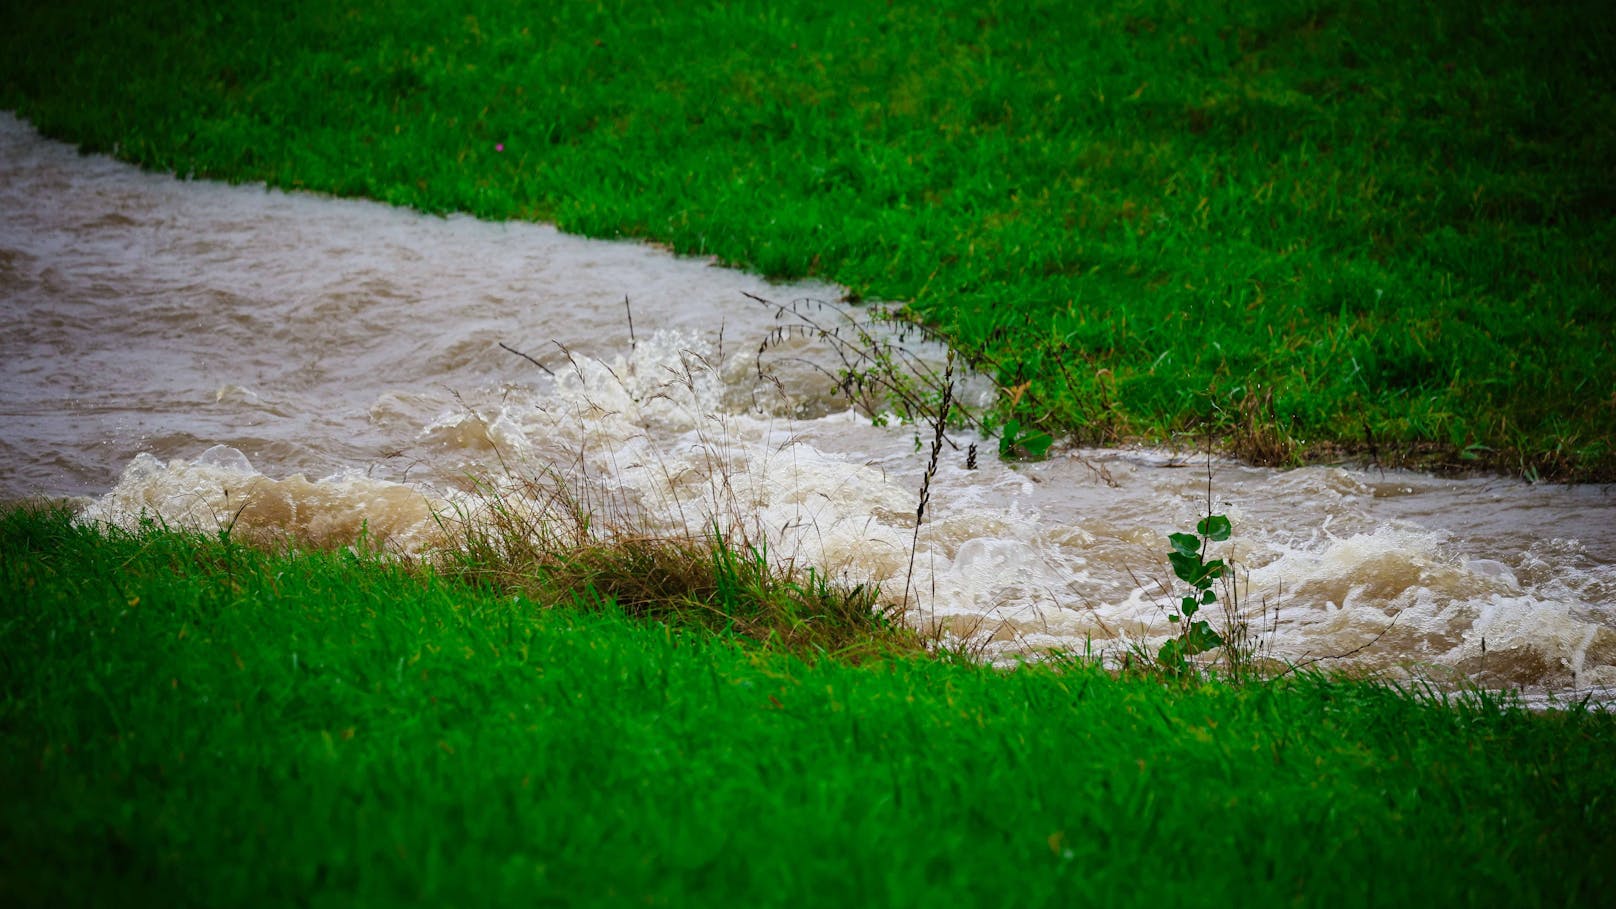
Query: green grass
190, 721
1323, 227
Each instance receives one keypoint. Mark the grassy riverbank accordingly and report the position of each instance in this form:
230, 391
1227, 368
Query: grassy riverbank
194, 722
1379, 227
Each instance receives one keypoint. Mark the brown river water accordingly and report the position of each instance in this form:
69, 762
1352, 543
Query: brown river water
213, 355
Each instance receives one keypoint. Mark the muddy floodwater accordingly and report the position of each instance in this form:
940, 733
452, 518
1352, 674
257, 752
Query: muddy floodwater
210, 354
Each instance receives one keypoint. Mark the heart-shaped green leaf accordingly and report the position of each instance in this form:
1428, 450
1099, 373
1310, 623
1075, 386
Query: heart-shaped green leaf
1214, 527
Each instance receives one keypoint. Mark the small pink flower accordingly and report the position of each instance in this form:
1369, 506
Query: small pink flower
500, 147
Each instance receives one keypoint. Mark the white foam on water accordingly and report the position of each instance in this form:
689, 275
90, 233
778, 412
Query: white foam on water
220, 491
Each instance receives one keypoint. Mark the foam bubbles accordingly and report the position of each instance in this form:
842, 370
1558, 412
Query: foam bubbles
221, 491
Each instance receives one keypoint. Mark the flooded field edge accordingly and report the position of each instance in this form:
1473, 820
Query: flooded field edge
296, 365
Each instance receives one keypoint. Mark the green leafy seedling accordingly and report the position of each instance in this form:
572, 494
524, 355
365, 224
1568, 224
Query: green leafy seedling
1188, 558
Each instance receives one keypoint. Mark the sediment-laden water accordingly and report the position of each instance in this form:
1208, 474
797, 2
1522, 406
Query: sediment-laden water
211, 355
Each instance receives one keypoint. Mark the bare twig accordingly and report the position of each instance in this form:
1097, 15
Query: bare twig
529, 358
1341, 656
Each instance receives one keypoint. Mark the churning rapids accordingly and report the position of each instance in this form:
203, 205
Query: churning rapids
208, 354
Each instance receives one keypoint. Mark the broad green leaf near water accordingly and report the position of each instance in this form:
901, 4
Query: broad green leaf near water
1214, 527
1188, 567
1187, 543
1015, 444
1202, 638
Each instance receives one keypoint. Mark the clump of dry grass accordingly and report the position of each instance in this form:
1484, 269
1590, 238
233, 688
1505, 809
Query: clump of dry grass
537, 539
1260, 435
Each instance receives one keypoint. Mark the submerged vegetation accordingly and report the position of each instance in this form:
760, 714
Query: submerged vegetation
197, 722
1379, 227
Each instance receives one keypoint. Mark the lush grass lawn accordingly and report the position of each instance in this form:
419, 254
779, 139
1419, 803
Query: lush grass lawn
1374, 226
194, 722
